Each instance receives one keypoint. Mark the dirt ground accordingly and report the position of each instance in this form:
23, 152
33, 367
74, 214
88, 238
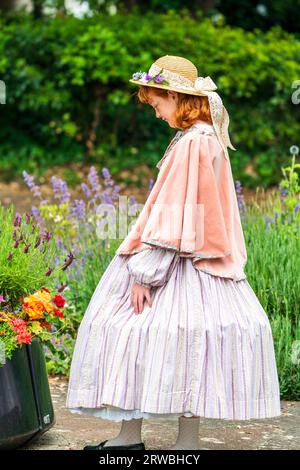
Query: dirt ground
73, 431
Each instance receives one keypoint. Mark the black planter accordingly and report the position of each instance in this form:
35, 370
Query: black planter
26, 408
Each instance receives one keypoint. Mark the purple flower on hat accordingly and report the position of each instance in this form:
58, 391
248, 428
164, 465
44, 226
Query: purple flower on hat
159, 78
137, 75
147, 78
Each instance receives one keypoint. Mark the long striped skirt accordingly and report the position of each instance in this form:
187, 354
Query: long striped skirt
204, 348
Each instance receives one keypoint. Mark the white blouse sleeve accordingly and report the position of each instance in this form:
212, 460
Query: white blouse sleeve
153, 266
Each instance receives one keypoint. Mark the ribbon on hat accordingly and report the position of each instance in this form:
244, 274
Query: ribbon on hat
204, 84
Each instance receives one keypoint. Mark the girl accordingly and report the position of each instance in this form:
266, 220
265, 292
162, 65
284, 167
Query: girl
173, 329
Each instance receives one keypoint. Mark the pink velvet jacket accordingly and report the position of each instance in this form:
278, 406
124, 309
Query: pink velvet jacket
192, 207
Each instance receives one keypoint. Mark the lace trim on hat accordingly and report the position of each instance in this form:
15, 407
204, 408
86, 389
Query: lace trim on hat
173, 78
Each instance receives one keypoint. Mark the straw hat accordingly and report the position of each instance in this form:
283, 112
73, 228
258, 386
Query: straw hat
181, 75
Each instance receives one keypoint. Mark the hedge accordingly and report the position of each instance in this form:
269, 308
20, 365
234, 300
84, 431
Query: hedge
69, 99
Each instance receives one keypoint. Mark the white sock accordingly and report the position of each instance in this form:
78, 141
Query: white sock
188, 431
130, 433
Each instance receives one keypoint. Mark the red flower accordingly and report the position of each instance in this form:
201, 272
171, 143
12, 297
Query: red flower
58, 313
24, 337
59, 301
18, 325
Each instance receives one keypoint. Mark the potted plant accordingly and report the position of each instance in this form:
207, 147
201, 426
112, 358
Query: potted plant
31, 312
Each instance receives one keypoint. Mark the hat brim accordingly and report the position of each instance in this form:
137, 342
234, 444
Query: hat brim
166, 87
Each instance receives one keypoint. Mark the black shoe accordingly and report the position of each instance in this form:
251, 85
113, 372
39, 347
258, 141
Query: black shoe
138, 446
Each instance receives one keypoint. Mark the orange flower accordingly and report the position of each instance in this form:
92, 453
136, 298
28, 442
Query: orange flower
38, 303
34, 309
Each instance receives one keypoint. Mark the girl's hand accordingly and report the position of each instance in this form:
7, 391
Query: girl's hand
137, 297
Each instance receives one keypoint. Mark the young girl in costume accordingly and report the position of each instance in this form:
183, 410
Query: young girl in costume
173, 329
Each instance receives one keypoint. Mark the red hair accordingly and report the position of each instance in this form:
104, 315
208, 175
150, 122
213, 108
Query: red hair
190, 108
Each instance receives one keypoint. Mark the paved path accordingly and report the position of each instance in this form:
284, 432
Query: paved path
73, 431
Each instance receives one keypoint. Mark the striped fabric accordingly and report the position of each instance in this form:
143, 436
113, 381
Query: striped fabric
204, 348
153, 266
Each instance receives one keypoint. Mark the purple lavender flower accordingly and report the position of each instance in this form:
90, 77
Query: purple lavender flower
151, 184
283, 191
107, 199
47, 236
94, 180
240, 197
29, 180
17, 220
68, 261
115, 193
36, 214
62, 287
283, 195
79, 209
60, 189
86, 190
38, 242
26, 249
297, 208
108, 181
132, 200
106, 173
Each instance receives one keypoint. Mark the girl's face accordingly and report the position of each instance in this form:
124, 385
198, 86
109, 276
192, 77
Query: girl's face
164, 107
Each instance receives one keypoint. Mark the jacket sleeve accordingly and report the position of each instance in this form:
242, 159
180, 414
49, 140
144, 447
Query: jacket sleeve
152, 267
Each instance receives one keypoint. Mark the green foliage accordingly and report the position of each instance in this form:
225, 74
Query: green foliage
290, 185
24, 257
56, 216
68, 95
271, 231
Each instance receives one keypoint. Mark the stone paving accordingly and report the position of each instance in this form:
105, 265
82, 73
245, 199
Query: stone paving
73, 431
